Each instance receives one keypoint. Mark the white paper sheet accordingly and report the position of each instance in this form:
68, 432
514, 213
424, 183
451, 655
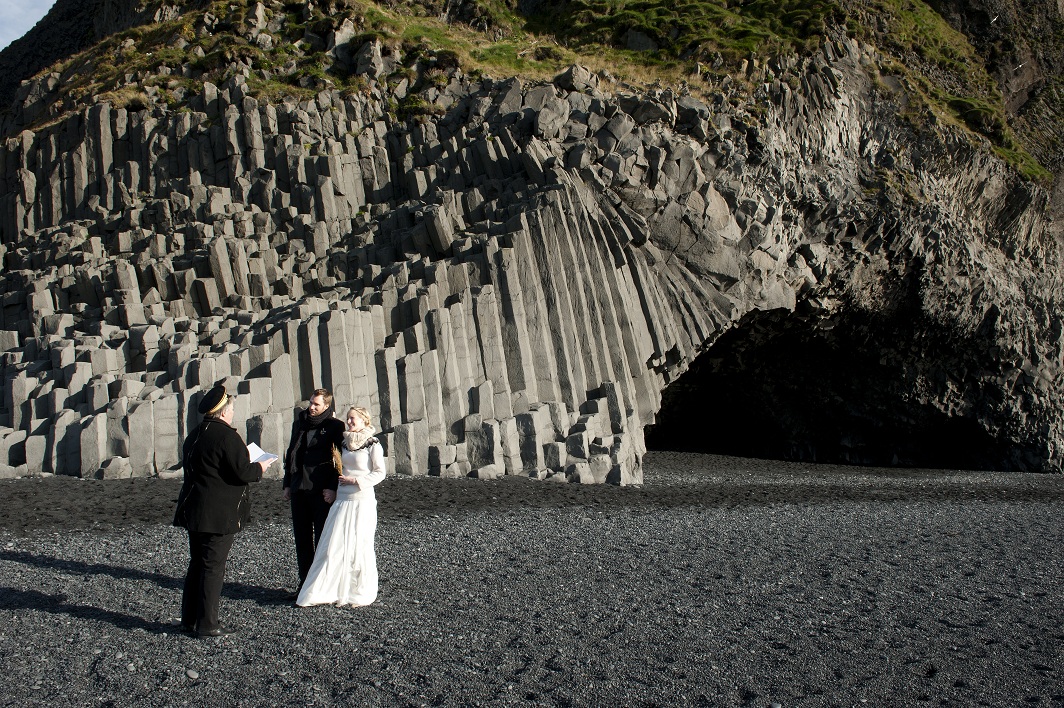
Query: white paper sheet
257, 454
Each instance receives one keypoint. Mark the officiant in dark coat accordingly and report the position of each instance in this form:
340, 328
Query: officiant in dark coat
213, 506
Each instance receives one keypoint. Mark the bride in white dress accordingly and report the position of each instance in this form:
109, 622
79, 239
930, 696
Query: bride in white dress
344, 571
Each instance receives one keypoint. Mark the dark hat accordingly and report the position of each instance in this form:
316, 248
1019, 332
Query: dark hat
214, 400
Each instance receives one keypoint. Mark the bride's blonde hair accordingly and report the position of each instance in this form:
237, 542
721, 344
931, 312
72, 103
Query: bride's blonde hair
361, 413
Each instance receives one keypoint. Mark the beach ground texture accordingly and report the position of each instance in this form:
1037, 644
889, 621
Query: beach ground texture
720, 581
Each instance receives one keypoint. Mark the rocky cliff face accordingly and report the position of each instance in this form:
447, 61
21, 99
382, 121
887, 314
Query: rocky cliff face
1023, 45
512, 279
71, 26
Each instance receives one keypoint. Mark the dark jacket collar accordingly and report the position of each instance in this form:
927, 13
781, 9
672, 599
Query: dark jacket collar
207, 421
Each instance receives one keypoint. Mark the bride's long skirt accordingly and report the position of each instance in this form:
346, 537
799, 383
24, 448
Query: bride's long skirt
344, 571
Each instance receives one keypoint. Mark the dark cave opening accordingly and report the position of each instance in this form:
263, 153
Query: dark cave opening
780, 387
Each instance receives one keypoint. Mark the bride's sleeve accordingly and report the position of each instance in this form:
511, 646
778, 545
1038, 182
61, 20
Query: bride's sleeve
376, 465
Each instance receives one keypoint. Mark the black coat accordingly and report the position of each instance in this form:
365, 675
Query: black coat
311, 448
218, 469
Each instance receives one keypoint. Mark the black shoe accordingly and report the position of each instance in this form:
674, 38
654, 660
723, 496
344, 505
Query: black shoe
216, 632
188, 628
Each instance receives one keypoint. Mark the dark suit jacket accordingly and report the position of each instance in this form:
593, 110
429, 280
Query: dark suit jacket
311, 448
218, 469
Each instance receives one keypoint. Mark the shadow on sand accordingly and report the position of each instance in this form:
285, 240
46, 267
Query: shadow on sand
15, 599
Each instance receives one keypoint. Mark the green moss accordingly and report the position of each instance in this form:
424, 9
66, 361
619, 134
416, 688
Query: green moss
276, 91
428, 36
130, 98
690, 29
503, 55
980, 116
1027, 165
414, 105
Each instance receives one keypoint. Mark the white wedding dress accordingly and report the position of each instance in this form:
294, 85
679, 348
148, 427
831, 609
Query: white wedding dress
344, 571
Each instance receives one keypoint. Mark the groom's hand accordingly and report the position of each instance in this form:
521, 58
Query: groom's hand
287, 494
329, 495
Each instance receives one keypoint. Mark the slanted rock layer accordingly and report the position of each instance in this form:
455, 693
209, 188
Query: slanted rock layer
509, 282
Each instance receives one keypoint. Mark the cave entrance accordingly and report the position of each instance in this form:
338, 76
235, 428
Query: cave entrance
783, 386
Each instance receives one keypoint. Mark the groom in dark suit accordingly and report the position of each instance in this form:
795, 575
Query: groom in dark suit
310, 474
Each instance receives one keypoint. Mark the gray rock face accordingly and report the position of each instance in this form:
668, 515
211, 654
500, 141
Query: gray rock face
509, 285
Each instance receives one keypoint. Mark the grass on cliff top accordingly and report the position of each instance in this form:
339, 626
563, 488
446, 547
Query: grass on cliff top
166, 62
637, 41
721, 33
692, 30
953, 78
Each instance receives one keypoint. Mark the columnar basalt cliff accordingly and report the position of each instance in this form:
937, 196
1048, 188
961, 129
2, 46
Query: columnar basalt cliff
512, 280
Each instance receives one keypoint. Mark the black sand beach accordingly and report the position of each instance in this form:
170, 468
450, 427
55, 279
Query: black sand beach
721, 581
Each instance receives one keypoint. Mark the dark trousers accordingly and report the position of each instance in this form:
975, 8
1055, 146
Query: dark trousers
309, 512
203, 582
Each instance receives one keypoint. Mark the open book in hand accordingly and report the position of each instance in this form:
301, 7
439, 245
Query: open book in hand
258, 454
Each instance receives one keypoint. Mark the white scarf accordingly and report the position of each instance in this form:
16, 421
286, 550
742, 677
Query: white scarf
355, 440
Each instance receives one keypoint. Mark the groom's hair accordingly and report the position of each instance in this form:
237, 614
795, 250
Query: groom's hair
325, 394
